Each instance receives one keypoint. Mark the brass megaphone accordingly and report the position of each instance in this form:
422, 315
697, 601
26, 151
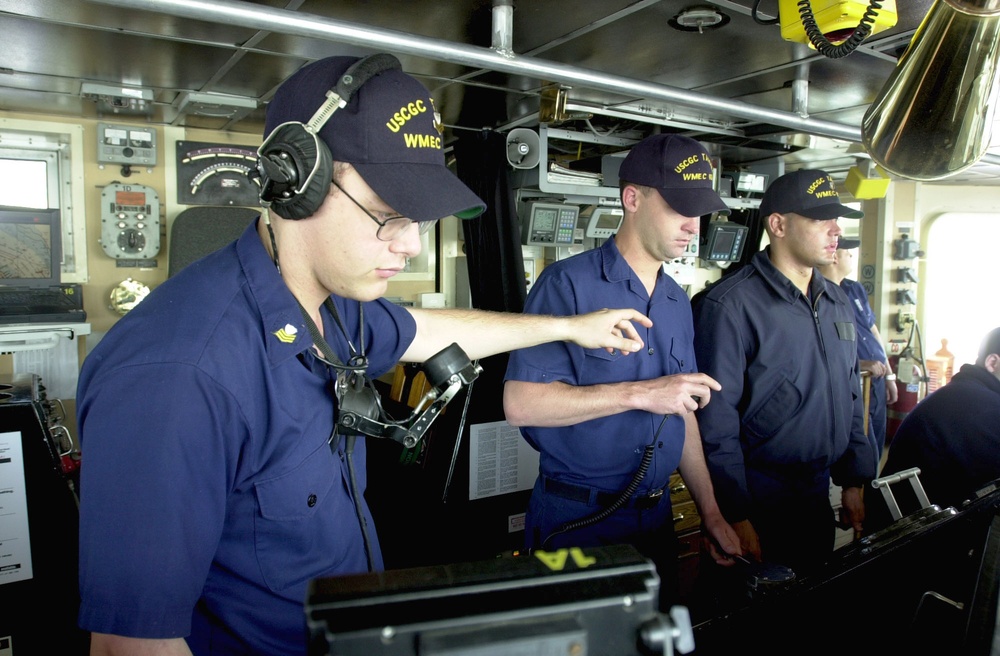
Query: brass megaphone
933, 116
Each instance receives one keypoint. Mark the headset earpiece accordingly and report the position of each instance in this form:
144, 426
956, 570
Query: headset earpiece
285, 162
294, 166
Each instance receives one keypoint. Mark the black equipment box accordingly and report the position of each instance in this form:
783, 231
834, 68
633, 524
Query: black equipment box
38, 586
926, 584
571, 601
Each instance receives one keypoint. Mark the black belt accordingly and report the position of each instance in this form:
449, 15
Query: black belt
591, 495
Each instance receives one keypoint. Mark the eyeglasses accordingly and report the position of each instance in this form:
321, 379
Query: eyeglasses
390, 226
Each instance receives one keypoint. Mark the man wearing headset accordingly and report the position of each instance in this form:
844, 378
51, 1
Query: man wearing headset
215, 484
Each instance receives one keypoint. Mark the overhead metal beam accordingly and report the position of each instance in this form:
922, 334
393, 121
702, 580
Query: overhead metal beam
245, 14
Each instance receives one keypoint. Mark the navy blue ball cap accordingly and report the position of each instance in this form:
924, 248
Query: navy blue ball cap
389, 131
810, 193
679, 168
847, 244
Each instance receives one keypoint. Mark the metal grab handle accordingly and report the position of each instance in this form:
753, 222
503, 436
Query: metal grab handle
913, 475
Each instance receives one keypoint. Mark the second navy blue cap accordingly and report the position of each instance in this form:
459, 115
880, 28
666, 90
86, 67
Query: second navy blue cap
809, 193
679, 168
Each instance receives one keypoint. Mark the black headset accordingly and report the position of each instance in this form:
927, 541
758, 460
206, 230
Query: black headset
294, 166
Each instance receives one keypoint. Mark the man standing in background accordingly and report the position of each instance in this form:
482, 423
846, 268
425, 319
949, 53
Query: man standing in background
871, 351
953, 435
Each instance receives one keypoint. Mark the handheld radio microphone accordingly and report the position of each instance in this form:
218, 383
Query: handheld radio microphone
361, 413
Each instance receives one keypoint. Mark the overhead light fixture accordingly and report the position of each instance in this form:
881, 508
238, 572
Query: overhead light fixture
698, 18
119, 99
215, 105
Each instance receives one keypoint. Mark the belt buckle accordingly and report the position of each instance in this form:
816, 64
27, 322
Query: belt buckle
651, 500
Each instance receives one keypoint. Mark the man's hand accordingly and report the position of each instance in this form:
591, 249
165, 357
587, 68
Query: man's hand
721, 541
891, 392
611, 330
678, 394
749, 541
852, 508
875, 368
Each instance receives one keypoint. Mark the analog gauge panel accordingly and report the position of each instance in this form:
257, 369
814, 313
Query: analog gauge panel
215, 174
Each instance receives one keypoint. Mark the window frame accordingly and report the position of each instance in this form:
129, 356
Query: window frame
55, 144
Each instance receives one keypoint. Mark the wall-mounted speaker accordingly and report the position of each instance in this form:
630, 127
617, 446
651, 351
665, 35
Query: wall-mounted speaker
522, 148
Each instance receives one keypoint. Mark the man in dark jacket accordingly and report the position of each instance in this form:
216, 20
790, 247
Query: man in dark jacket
781, 340
953, 435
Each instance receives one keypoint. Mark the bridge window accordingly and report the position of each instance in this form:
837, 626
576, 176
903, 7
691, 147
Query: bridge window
959, 268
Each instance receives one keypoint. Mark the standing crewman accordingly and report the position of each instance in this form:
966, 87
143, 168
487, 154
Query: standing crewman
611, 428
781, 340
871, 352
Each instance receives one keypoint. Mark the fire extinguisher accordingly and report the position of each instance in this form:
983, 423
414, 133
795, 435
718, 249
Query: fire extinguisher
909, 383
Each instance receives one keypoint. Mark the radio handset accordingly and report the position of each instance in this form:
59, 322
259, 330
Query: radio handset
360, 410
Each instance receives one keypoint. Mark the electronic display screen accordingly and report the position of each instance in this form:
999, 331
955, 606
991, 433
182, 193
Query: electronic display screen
550, 224
30, 253
603, 223
724, 241
723, 245
609, 220
544, 218
751, 182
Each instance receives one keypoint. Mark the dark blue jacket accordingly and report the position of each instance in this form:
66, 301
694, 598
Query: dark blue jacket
790, 408
953, 436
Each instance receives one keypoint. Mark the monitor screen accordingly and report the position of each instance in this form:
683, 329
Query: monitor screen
604, 222
723, 241
550, 224
609, 220
29, 247
723, 245
751, 182
543, 218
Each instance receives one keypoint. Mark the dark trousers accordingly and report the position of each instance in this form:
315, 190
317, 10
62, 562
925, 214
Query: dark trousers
649, 529
797, 538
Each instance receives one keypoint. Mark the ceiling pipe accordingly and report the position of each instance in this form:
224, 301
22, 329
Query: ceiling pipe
257, 17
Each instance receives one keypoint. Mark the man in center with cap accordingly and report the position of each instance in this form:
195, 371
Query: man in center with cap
610, 430
781, 340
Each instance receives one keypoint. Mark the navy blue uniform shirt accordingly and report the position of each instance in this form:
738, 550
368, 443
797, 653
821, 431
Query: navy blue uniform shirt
606, 452
210, 495
869, 348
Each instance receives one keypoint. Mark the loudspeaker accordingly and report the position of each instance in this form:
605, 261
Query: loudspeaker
294, 166
522, 148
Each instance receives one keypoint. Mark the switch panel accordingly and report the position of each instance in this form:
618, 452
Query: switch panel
130, 221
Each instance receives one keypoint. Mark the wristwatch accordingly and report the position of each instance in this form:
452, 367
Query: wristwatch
890, 376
